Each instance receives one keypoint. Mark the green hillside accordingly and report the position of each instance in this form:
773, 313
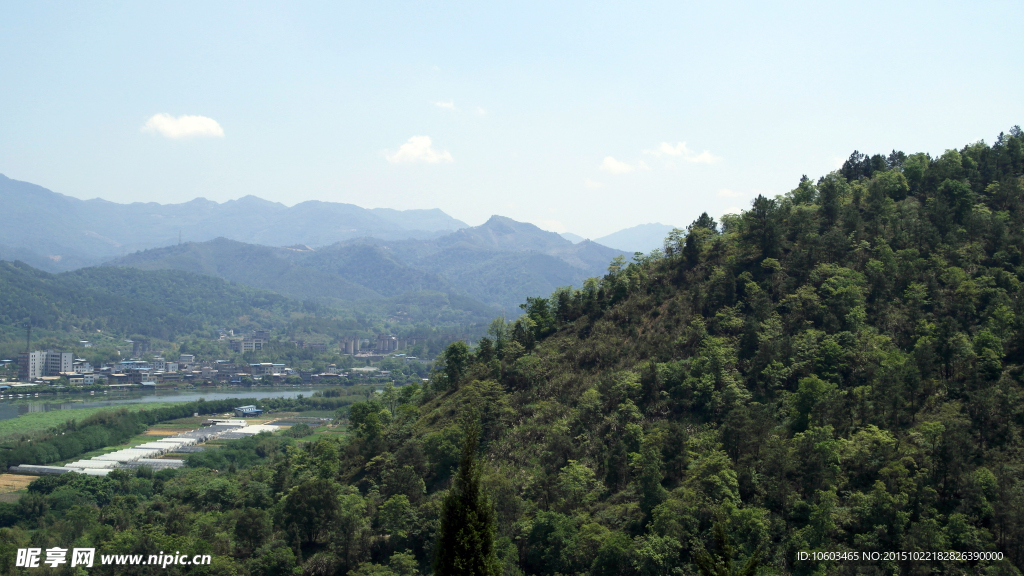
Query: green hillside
261, 267
361, 279
838, 370
497, 265
124, 301
107, 304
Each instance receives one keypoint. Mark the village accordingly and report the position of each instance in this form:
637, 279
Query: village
363, 361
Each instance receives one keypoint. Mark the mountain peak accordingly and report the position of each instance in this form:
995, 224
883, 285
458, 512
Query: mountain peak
250, 200
41, 222
640, 238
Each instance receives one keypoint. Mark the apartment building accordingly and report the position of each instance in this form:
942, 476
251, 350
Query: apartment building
32, 365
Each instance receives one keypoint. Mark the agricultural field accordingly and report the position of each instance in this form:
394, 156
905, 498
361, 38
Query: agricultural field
14, 482
315, 414
12, 486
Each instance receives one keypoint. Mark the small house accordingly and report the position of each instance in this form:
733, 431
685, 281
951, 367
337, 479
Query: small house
247, 411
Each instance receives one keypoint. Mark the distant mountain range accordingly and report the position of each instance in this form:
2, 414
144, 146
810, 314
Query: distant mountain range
642, 238
55, 232
499, 263
333, 253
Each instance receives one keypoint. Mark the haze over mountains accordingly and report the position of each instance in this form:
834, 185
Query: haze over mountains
55, 232
329, 252
499, 263
641, 238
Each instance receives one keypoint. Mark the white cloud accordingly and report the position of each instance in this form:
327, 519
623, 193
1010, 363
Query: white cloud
593, 184
667, 149
704, 157
732, 210
551, 226
726, 193
419, 149
613, 166
680, 150
183, 126
450, 105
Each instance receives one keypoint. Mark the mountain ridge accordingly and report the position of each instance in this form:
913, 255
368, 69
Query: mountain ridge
500, 263
640, 238
87, 232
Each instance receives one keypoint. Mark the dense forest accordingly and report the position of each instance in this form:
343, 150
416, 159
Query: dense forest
175, 309
159, 304
838, 369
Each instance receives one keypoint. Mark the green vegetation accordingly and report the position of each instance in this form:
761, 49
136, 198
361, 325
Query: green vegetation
98, 431
461, 278
104, 428
158, 304
837, 369
465, 542
181, 312
300, 430
244, 452
32, 422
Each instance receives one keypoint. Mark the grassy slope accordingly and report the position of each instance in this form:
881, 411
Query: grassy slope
38, 421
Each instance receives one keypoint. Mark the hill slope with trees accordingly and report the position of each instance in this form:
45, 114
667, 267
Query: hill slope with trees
838, 369
160, 304
498, 264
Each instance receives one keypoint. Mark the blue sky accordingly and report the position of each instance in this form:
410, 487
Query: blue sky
568, 115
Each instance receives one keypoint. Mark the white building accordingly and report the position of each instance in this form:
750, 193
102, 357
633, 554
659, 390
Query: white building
32, 365
83, 379
82, 367
252, 344
162, 365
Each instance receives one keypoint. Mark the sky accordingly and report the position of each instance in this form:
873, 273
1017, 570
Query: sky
578, 117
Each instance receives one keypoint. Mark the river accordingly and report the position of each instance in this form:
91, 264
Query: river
14, 407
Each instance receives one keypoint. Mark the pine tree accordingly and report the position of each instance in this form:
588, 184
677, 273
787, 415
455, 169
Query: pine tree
465, 544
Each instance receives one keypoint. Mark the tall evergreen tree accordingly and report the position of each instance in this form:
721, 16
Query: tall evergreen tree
465, 544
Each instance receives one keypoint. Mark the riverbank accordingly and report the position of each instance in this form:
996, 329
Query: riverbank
17, 409
31, 422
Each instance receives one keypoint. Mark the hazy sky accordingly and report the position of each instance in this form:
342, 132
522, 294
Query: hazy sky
585, 118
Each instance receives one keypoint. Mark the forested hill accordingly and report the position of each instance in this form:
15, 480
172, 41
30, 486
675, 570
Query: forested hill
174, 304
498, 264
162, 304
835, 369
